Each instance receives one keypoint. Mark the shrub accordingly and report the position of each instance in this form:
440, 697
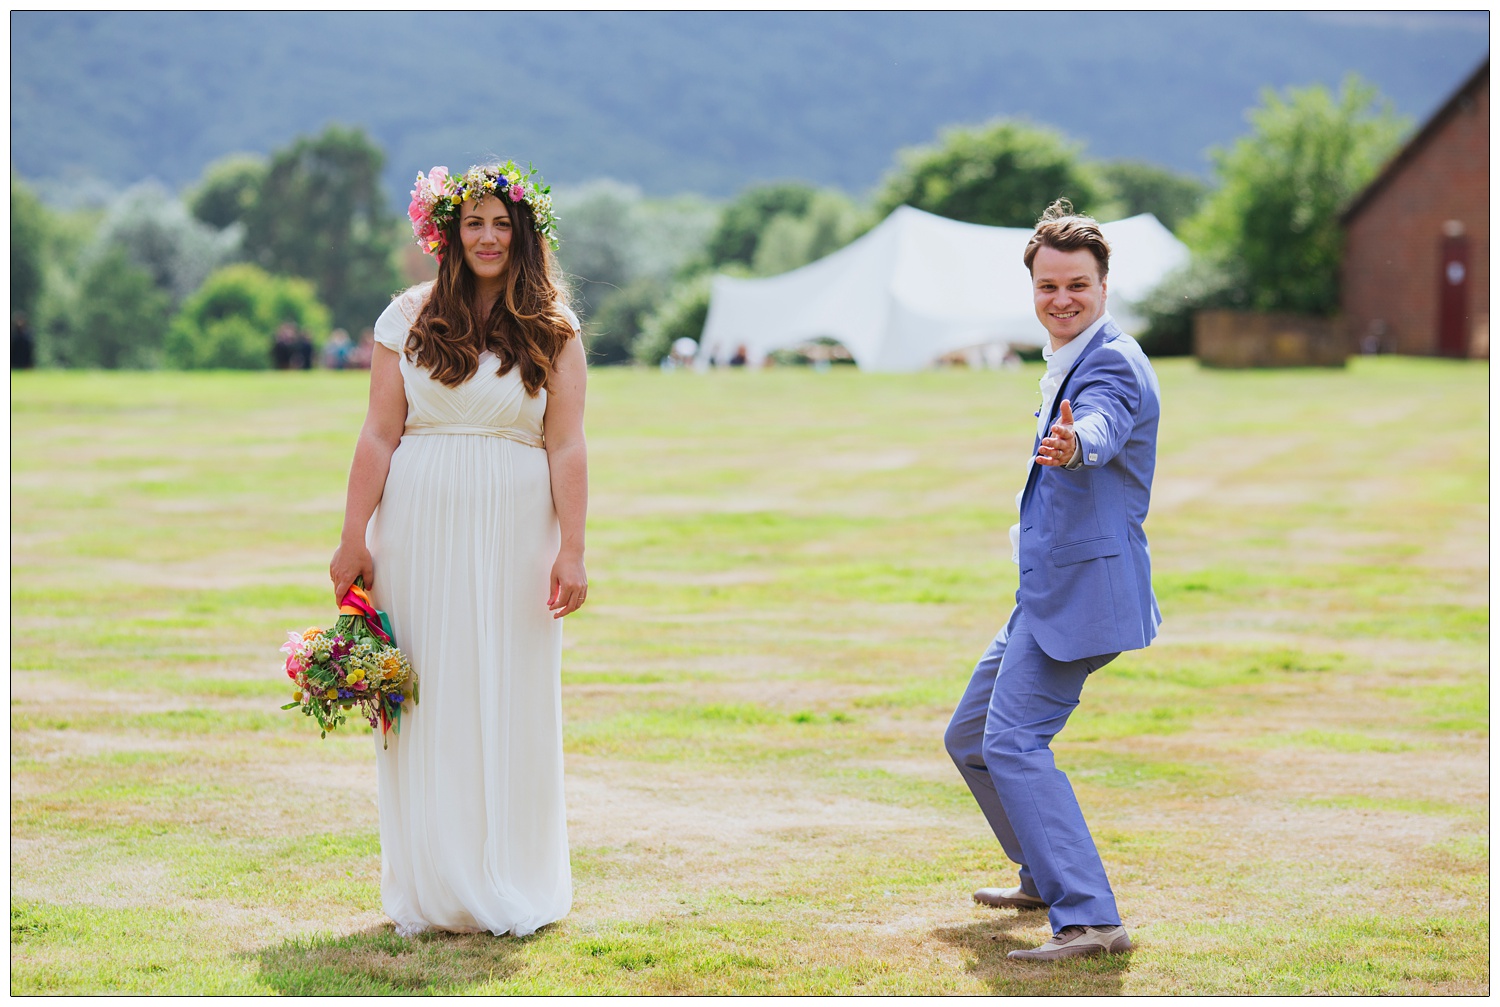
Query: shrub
118, 318
612, 331
682, 314
1203, 284
231, 321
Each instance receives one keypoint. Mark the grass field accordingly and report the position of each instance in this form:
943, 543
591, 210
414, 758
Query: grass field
792, 574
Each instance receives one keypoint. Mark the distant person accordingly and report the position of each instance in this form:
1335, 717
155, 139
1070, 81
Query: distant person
1085, 591
336, 351
741, 356
360, 354
22, 344
684, 351
282, 347
302, 350
465, 516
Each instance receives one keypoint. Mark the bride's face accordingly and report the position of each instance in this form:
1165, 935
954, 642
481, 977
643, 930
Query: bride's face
484, 227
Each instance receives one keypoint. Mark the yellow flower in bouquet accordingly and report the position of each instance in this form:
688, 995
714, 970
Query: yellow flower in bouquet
353, 666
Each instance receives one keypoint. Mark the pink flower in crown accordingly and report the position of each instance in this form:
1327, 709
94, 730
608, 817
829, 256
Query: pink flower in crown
437, 180
517, 192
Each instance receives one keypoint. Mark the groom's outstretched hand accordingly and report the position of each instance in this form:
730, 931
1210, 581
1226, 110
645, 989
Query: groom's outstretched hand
1059, 447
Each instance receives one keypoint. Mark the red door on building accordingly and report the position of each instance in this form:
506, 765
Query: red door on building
1453, 297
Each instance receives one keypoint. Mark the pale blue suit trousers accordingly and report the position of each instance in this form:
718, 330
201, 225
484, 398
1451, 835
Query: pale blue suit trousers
1018, 699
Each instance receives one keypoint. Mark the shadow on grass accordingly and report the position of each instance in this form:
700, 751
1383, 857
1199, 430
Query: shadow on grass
378, 961
988, 943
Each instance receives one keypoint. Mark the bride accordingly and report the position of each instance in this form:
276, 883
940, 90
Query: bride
473, 453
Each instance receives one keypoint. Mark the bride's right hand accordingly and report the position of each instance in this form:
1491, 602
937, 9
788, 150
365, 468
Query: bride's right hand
350, 560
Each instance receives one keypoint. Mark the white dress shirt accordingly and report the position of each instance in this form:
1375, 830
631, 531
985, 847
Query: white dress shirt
1059, 362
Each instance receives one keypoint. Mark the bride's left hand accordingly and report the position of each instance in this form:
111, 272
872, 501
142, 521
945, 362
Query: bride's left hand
570, 586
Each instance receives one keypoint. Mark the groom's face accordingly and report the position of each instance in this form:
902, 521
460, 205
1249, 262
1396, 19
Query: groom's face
1068, 291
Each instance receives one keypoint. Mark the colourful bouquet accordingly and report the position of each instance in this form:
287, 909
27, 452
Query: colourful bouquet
354, 665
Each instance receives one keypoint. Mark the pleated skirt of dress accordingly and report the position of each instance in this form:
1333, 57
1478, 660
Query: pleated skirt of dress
473, 827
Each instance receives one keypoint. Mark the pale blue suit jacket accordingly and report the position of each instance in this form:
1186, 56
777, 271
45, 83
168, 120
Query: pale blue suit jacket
1085, 583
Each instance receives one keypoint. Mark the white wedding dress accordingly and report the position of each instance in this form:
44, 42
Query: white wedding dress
473, 830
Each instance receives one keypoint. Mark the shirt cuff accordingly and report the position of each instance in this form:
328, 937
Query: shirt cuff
1076, 462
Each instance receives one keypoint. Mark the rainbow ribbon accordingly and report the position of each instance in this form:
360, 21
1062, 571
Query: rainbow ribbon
357, 602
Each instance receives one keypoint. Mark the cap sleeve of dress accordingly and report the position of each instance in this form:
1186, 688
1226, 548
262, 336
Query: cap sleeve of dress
395, 321
572, 319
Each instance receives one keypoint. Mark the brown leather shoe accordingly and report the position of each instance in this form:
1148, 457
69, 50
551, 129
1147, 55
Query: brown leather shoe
1075, 942
1008, 898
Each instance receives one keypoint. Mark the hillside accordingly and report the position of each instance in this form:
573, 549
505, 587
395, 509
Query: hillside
674, 102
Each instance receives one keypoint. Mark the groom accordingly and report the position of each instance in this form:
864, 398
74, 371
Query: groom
1085, 591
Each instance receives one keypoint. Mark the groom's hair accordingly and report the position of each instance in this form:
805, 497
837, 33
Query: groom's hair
1066, 231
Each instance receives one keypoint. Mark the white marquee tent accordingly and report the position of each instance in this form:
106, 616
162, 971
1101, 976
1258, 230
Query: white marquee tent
917, 287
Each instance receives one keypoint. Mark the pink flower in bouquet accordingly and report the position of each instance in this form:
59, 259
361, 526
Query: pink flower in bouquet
293, 646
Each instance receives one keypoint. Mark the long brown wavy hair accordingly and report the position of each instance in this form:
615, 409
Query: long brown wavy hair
526, 328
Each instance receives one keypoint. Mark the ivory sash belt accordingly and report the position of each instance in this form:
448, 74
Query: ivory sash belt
519, 436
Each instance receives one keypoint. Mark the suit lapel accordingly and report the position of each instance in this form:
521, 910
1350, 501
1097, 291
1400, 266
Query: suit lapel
1106, 331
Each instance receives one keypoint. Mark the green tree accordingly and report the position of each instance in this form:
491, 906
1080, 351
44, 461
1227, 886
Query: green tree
160, 235
744, 220
231, 321
29, 240
320, 214
599, 245
829, 222
612, 330
68, 253
1003, 174
1274, 217
1139, 187
227, 190
119, 316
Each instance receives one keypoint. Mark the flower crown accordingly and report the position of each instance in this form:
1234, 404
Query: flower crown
438, 195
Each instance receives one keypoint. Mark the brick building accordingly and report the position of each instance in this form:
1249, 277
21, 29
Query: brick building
1417, 254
